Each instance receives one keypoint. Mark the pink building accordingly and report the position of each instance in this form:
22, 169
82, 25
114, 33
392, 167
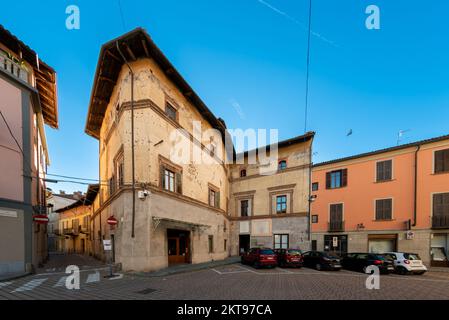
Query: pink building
385, 200
28, 101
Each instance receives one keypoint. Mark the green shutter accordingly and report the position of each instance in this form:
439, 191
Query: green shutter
178, 178
217, 199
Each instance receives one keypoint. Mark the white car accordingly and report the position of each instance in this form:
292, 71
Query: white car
405, 263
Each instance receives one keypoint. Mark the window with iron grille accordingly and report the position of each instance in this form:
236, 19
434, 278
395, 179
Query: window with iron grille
442, 161
384, 170
281, 204
384, 209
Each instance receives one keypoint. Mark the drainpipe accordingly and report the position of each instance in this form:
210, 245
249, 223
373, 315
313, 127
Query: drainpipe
132, 141
416, 187
309, 226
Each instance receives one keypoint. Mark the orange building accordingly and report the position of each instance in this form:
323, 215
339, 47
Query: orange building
394, 199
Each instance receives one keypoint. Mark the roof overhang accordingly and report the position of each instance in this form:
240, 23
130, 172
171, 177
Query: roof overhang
135, 45
45, 76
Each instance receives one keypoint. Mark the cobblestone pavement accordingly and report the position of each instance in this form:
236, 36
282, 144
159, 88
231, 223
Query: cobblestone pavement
225, 282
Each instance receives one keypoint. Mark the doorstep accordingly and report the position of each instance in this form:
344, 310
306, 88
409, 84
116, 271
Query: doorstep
182, 268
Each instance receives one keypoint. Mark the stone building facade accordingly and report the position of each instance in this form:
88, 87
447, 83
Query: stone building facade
176, 204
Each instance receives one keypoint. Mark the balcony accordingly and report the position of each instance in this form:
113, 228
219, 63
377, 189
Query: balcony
440, 222
336, 226
84, 229
71, 231
12, 67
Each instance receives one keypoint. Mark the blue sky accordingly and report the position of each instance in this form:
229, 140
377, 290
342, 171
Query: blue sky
375, 82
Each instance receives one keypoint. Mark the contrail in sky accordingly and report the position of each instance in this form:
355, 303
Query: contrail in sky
301, 24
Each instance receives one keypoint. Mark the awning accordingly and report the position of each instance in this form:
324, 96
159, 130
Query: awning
195, 226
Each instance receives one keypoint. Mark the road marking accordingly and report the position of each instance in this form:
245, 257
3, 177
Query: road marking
285, 270
30, 285
229, 272
61, 273
117, 276
93, 277
4, 284
217, 271
61, 282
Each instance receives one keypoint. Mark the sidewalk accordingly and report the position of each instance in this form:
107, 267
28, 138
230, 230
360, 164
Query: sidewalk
12, 276
182, 268
439, 269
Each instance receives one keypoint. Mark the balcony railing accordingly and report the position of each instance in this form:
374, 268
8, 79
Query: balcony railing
12, 67
336, 226
71, 231
440, 222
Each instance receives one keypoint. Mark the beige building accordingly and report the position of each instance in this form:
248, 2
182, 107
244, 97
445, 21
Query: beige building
74, 233
28, 103
172, 208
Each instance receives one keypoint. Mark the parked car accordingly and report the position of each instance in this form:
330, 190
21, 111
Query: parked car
260, 257
321, 260
361, 262
407, 263
289, 257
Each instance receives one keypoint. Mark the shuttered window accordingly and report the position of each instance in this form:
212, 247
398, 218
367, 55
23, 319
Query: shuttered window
244, 204
441, 204
384, 170
384, 209
171, 180
214, 198
336, 212
337, 179
442, 161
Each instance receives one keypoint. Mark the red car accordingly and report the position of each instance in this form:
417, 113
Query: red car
289, 257
260, 257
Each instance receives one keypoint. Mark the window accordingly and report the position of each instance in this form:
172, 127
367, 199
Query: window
170, 111
214, 198
170, 177
315, 218
211, 244
384, 209
169, 180
314, 245
119, 169
315, 186
225, 244
281, 241
244, 204
441, 204
281, 204
242, 173
384, 170
337, 179
442, 161
282, 165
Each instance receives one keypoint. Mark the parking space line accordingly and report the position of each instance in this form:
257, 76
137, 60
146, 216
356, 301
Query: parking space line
61, 282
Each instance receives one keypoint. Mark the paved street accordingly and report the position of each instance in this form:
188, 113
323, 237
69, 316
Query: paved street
226, 282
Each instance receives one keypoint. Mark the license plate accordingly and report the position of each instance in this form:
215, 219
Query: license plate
337, 266
390, 268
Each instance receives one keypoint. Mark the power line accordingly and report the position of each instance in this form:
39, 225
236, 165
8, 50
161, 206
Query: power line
71, 177
122, 17
308, 67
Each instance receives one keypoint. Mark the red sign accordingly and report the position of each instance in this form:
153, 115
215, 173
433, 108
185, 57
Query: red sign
112, 221
41, 218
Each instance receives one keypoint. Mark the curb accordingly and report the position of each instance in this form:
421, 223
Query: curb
162, 273
18, 276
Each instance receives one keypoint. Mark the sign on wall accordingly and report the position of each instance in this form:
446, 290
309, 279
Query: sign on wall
107, 245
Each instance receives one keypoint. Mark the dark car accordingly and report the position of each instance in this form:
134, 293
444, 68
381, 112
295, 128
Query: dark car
321, 260
260, 257
361, 261
289, 257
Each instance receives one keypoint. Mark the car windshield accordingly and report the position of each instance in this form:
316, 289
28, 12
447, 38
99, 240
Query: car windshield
378, 257
412, 256
294, 252
389, 256
266, 251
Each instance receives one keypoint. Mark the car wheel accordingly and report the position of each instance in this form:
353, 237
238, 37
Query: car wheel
402, 271
318, 267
